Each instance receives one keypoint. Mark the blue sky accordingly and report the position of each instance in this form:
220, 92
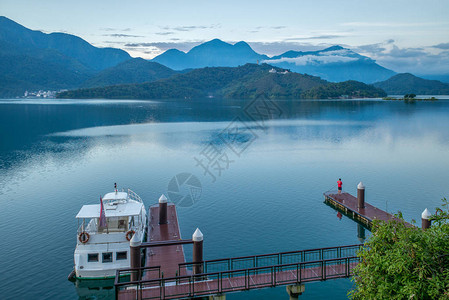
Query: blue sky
401, 35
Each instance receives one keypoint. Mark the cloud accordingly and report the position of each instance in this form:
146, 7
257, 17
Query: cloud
278, 27
393, 24
120, 35
276, 48
313, 59
317, 37
190, 27
114, 29
421, 60
163, 46
443, 46
114, 42
370, 48
164, 33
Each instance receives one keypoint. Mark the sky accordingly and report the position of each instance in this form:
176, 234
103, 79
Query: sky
406, 36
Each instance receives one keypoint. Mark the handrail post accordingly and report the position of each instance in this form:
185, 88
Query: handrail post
193, 285
347, 266
190, 286
140, 289
297, 273
324, 269
274, 276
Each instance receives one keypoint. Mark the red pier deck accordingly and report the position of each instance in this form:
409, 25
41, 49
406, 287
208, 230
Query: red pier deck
167, 257
347, 203
241, 280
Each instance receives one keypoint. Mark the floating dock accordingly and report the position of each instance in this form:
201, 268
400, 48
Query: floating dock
357, 209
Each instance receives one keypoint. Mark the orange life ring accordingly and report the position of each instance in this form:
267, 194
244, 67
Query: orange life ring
129, 235
83, 237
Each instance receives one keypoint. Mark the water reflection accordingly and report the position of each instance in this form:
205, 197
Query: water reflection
95, 289
361, 233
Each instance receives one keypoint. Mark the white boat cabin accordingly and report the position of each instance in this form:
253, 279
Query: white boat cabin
101, 250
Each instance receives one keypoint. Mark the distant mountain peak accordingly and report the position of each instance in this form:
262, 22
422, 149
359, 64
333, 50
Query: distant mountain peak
242, 44
213, 53
334, 48
334, 63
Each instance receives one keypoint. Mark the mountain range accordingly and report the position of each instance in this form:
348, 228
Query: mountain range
33, 60
333, 64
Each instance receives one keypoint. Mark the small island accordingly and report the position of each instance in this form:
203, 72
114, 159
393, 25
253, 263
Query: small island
410, 98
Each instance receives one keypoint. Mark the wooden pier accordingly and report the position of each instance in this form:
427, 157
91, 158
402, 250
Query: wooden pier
166, 274
365, 214
167, 257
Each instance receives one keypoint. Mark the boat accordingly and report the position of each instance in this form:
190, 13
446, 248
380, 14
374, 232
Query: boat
104, 233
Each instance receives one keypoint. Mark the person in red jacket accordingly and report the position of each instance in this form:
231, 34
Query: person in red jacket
339, 184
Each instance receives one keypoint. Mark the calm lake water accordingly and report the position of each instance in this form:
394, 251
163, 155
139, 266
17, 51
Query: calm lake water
56, 155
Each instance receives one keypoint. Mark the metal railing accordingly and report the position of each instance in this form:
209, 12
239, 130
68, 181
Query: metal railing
123, 276
243, 262
133, 196
237, 280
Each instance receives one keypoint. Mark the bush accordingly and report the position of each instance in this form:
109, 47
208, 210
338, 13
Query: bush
401, 262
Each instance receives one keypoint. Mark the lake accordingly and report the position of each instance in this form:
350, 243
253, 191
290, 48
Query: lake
263, 193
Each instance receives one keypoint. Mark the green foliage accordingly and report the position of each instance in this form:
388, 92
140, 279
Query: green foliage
405, 83
135, 70
244, 82
350, 88
401, 262
409, 96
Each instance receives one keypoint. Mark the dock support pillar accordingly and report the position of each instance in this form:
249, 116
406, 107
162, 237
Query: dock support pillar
361, 233
218, 297
295, 290
134, 253
162, 210
425, 218
360, 195
197, 251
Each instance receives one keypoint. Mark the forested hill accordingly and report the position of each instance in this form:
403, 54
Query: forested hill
135, 70
406, 83
241, 82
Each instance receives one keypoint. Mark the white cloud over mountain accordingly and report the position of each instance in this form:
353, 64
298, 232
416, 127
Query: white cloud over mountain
313, 59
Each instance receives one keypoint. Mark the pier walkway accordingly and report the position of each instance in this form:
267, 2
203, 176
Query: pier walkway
167, 257
348, 204
261, 271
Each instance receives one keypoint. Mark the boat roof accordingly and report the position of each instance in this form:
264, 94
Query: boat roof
130, 208
116, 196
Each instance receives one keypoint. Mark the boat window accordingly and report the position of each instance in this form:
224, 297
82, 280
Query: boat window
107, 257
121, 255
92, 257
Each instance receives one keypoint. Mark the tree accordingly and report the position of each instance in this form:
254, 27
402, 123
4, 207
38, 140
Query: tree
400, 262
409, 96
